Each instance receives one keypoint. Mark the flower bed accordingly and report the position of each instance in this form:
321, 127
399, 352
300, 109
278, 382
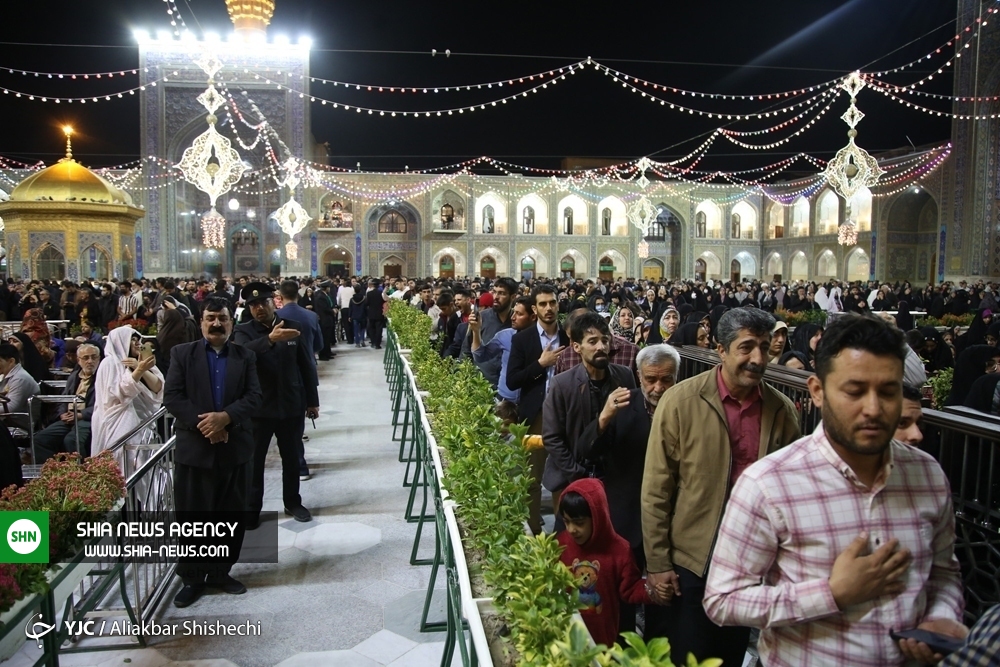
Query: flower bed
66, 489
486, 470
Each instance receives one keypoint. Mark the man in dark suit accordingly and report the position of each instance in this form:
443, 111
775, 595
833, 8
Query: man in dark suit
614, 446
323, 306
289, 387
575, 399
213, 392
533, 355
375, 300
308, 321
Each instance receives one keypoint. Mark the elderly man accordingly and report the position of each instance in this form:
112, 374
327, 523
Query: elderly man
615, 444
61, 435
847, 534
17, 385
705, 432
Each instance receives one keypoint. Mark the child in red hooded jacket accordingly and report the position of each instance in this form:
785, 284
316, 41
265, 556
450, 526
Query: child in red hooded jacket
600, 558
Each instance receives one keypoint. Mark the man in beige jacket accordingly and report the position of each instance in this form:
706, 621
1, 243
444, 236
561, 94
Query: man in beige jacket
705, 432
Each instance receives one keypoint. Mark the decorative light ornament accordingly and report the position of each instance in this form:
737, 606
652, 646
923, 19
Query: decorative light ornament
643, 250
642, 165
853, 168
642, 213
3, 225
847, 234
211, 163
291, 251
213, 229
292, 217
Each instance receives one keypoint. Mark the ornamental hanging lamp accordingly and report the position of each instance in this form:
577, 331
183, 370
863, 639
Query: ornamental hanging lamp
210, 163
292, 217
852, 168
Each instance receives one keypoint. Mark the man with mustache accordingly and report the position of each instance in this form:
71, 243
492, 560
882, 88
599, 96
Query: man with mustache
847, 534
213, 392
575, 399
706, 431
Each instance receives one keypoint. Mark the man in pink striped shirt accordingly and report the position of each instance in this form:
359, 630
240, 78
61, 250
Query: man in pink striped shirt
844, 535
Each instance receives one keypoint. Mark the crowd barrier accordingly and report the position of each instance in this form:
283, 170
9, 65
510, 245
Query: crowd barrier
114, 588
966, 444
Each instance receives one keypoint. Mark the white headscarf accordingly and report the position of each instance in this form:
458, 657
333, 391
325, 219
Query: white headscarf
121, 403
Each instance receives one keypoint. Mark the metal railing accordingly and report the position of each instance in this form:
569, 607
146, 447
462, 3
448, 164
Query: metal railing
149, 494
964, 442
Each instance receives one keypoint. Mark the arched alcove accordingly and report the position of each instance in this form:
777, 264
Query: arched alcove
773, 267
857, 265
709, 265
800, 266
828, 211
612, 217
800, 217
743, 222
826, 265
708, 220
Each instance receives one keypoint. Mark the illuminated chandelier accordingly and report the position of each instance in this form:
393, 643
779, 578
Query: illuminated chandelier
643, 250
292, 217
847, 233
642, 213
852, 168
211, 163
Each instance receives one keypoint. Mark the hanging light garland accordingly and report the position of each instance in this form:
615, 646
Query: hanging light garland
211, 163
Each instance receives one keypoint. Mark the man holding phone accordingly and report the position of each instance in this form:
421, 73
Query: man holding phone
845, 536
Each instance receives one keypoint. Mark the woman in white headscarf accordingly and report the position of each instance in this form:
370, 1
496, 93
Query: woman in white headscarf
128, 391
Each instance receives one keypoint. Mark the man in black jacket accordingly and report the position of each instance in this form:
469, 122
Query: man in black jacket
61, 435
533, 355
213, 393
375, 299
289, 386
323, 306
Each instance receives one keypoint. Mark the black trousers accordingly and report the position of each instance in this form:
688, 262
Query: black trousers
328, 327
345, 324
289, 435
690, 630
375, 331
211, 494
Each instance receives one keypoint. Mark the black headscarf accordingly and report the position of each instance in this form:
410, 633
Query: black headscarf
686, 334
795, 354
714, 316
695, 316
903, 318
976, 335
970, 366
941, 357
800, 341
31, 358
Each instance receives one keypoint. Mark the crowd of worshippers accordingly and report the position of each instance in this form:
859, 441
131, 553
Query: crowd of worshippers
114, 382
697, 508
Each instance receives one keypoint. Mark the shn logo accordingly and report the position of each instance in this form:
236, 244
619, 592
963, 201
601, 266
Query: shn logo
25, 537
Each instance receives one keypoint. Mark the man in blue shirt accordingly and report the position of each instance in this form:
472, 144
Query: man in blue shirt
521, 317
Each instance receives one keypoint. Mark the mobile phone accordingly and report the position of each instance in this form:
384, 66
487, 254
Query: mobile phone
146, 351
939, 643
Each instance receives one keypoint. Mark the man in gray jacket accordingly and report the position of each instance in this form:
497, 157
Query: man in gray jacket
17, 385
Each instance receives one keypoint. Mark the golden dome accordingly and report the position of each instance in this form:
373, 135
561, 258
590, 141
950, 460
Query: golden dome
250, 17
68, 180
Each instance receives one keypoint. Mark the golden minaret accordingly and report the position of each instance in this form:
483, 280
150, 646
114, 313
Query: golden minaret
250, 17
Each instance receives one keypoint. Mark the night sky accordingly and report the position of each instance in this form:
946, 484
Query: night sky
715, 47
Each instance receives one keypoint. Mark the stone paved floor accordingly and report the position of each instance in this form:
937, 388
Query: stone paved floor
343, 592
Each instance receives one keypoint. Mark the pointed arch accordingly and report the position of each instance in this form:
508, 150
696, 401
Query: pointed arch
579, 262
748, 264
457, 256
48, 262
827, 212
614, 210
618, 260
573, 211
799, 266
747, 222
861, 209
499, 257
535, 261
534, 221
776, 221
491, 202
857, 264
708, 218
392, 266
772, 266
800, 217
826, 264
712, 265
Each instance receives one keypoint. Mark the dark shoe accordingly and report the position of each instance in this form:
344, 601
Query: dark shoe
299, 513
226, 583
253, 523
188, 595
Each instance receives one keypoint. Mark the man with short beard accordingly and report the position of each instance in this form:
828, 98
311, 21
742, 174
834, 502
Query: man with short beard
705, 432
847, 534
492, 321
575, 399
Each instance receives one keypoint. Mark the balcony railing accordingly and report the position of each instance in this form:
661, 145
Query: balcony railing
964, 442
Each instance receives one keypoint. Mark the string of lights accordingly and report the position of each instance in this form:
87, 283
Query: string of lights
932, 112
71, 77
774, 144
84, 100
